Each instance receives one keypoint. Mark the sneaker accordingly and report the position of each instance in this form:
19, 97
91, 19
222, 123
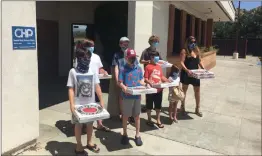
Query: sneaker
124, 140
138, 141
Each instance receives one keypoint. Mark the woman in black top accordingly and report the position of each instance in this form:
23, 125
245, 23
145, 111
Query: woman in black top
190, 59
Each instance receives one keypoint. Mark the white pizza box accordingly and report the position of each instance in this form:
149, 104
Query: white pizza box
164, 64
167, 85
102, 76
203, 74
141, 90
83, 117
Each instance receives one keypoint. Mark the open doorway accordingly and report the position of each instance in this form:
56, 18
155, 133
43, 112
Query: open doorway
80, 32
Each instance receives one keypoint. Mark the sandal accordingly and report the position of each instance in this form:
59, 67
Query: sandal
93, 148
198, 113
150, 123
81, 153
104, 128
160, 125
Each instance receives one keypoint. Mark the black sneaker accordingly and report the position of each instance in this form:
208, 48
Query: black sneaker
138, 141
125, 140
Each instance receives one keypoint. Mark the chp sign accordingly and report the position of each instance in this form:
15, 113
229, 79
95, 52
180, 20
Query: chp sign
23, 37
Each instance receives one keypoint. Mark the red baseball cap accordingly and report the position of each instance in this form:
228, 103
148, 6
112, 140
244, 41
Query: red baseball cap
130, 53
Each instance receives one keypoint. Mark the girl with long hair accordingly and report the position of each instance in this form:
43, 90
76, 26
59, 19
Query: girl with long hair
190, 59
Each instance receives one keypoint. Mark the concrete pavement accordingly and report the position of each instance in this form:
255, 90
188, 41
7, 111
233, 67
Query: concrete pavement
231, 125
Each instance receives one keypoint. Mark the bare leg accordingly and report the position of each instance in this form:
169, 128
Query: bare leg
170, 110
124, 124
137, 124
184, 87
89, 132
158, 118
120, 100
175, 111
149, 115
78, 133
197, 97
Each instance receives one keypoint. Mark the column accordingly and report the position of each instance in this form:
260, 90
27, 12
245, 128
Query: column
199, 27
140, 19
183, 28
171, 29
20, 103
209, 32
192, 25
204, 33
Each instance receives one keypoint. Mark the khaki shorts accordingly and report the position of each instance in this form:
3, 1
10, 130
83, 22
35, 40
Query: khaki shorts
75, 121
131, 107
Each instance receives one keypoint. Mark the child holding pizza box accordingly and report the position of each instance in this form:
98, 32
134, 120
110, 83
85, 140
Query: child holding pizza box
82, 84
131, 76
154, 75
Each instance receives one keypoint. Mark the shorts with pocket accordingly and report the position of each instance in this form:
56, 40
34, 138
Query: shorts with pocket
75, 121
131, 107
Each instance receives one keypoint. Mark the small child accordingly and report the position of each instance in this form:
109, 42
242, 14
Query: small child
82, 84
174, 74
131, 76
154, 75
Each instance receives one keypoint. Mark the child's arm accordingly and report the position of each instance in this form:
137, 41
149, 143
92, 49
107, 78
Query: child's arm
71, 94
121, 80
71, 90
146, 76
142, 82
164, 79
99, 94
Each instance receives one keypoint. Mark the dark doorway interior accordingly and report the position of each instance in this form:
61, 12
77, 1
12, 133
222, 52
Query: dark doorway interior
111, 24
177, 33
188, 18
202, 36
51, 87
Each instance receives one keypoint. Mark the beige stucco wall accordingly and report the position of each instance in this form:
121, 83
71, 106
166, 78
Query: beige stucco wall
146, 18
20, 113
1, 68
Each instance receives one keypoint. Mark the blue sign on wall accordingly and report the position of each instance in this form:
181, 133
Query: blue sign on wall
23, 37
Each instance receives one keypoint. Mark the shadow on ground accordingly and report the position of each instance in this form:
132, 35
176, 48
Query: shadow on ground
60, 148
67, 128
111, 140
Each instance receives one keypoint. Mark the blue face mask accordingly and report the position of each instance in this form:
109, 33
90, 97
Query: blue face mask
91, 49
156, 59
192, 46
155, 44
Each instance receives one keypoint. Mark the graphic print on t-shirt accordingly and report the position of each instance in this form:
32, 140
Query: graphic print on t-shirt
84, 85
155, 76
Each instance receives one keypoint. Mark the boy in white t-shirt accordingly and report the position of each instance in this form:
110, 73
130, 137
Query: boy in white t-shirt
82, 85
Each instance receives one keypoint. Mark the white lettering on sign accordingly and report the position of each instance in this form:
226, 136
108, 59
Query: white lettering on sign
20, 33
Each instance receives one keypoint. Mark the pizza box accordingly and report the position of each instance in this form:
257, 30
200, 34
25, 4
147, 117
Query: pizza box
164, 64
202, 74
167, 85
90, 112
141, 90
102, 76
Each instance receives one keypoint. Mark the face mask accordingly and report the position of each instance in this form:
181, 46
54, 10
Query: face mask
83, 64
91, 49
175, 75
155, 44
192, 46
156, 59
